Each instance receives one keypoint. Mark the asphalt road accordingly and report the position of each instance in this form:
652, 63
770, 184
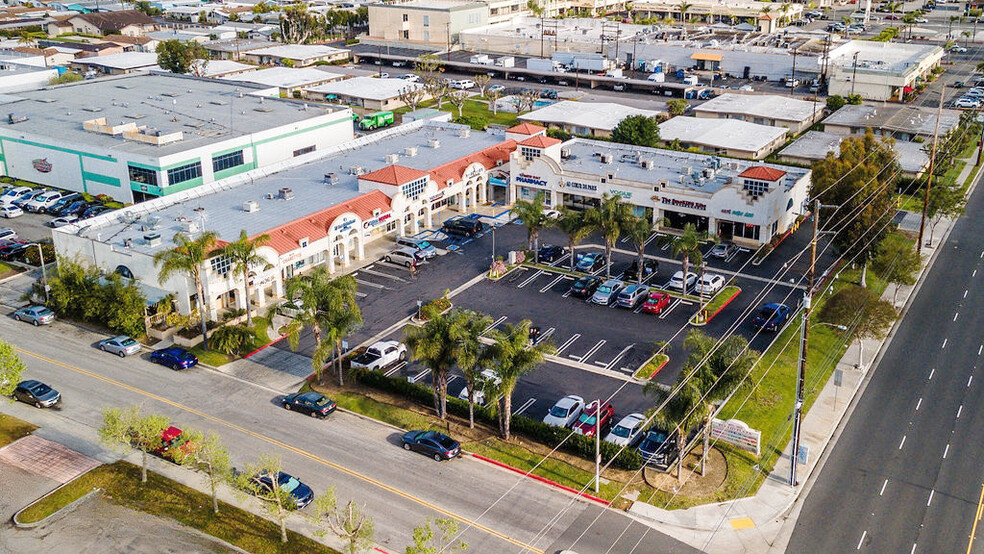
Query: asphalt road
905, 475
361, 458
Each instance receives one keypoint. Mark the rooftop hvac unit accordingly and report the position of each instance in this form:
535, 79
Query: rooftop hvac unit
565, 153
464, 133
189, 226
392, 159
152, 239
686, 170
647, 164
606, 158
357, 170
251, 206
434, 143
331, 178
286, 193
410, 151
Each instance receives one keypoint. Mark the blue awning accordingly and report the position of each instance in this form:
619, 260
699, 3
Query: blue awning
498, 182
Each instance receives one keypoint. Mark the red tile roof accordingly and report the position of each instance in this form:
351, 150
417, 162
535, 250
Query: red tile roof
487, 157
763, 173
526, 129
394, 175
540, 141
285, 238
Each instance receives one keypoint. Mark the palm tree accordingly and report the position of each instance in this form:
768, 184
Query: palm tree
343, 315
610, 218
681, 412
242, 254
513, 356
639, 229
684, 7
949, 27
472, 355
784, 10
534, 219
687, 246
309, 294
575, 226
437, 346
188, 257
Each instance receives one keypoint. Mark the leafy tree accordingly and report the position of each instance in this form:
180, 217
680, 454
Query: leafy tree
534, 218
676, 106
684, 7
206, 454
945, 201
896, 261
67, 77
573, 224
437, 345
436, 536
11, 368
835, 102
244, 257
854, 99
299, 26
681, 413
861, 312
232, 339
513, 357
639, 229
349, 522
188, 257
122, 305
309, 293
472, 354
81, 292
278, 501
610, 218
686, 245
129, 427
639, 130
178, 56
859, 181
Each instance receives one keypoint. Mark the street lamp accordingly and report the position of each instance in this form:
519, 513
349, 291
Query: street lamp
44, 273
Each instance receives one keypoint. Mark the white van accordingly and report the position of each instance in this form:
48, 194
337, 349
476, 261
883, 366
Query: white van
13, 194
463, 84
657, 78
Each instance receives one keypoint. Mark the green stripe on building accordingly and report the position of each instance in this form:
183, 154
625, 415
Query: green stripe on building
103, 179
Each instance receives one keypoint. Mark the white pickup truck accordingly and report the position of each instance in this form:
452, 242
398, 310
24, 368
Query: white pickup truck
380, 355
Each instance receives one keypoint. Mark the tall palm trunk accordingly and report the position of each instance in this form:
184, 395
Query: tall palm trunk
686, 266
608, 258
706, 432
247, 300
471, 407
201, 308
441, 392
211, 482
505, 414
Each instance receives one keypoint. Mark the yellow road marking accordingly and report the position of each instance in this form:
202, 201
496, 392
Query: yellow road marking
285, 446
742, 523
977, 517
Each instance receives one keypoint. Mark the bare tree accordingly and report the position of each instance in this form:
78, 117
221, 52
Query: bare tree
437, 89
493, 97
527, 100
129, 427
349, 522
482, 82
457, 99
412, 96
206, 454
263, 481
427, 67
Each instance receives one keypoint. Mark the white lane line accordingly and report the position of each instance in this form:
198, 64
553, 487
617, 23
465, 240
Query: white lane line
546, 334
918, 403
930, 501
965, 294
452, 378
982, 254
530, 279
396, 368
371, 284
619, 357
650, 239
361, 294
979, 349
970, 380
902, 443
591, 352
666, 311
975, 273
913, 551
569, 342
419, 376
885, 484
860, 542
931, 372
946, 451
955, 316
552, 283
524, 407
959, 411
495, 324
944, 344
384, 275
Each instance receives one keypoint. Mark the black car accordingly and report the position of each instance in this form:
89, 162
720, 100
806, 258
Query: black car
63, 202
550, 253
12, 251
585, 287
310, 403
658, 449
93, 211
548, 93
301, 494
75, 207
37, 393
649, 268
434, 444
463, 227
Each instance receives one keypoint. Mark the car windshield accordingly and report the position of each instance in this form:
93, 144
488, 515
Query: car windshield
620, 431
587, 419
289, 484
604, 289
41, 389
127, 342
423, 244
654, 441
558, 411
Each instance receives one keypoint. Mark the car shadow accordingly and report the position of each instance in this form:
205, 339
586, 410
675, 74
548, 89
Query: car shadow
396, 439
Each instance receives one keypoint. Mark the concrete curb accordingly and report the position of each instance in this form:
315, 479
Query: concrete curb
58, 513
540, 479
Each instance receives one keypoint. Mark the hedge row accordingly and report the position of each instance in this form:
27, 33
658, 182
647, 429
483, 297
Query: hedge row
531, 429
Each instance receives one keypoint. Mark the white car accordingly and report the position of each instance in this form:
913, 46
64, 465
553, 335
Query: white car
410, 77
10, 210
628, 431
403, 256
565, 412
463, 84
709, 284
676, 282
381, 354
42, 202
959, 50
487, 376
495, 88
6, 233
551, 214
966, 103
922, 20
15, 193
63, 221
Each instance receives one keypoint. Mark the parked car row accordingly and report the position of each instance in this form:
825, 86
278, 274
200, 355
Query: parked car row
972, 99
16, 200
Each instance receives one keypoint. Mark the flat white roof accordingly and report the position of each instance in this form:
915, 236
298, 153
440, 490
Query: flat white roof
815, 145
217, 67
594, 115
887, 57
297, 51
126, 60
286, 77
920, 120
770, 106
371, 88
720, 133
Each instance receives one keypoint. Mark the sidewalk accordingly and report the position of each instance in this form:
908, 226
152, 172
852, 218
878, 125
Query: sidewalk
758, 523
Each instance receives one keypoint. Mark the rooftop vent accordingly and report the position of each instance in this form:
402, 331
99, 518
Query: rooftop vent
92, 109
135, 116
434, 143
410, 151
44, 100
331, 178
14, 118
606, 158
171, 94
152, 239
357, 170
263, 109
464, 133
565, 153
189, 226
647, 164
124, 87
219, 102
251, 206
392, 159
286, 193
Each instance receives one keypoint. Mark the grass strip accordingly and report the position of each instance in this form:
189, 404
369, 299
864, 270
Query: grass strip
160, 496
652, 367
12, 429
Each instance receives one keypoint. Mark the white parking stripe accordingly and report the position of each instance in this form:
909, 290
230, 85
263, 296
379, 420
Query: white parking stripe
530, 279
614, 361
419, 376
546, 334
494, 324
651, 238
552, 283
666, 311
381, 274
396, 368
567, 343
526, 405
560, 260
591, 352
370, 284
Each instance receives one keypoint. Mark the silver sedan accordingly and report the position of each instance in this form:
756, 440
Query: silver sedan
122, 346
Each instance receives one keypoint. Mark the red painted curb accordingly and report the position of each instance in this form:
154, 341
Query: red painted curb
660, 368
542, 479
723, 306
271, 343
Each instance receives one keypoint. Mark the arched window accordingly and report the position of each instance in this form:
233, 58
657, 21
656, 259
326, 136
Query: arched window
123, 271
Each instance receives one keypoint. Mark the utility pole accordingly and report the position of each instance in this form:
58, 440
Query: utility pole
804, 336
932, 163
597, 435
854, 74
792, 87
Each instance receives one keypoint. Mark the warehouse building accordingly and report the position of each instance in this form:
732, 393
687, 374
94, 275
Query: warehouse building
816, 145
137, 137
596, 119
371, 93
728, 137
884, 71
763, 109
903, 123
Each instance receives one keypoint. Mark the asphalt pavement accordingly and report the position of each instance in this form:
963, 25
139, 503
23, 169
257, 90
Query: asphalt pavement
905, 475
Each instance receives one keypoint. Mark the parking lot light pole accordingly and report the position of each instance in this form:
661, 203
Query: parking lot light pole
597, 445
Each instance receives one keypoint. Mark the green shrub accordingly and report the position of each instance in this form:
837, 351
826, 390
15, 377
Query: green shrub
559, 134
232, 339
31, 255
476, 122
233, 314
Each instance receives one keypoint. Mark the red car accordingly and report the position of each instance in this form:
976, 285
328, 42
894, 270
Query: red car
171, 437
656, 302
590, 421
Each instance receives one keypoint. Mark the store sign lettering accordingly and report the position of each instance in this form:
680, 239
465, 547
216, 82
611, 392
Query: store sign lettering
581, 186
373, 222
737, 213
437, 196
531, 180
622, 193
681, 203
344, 225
